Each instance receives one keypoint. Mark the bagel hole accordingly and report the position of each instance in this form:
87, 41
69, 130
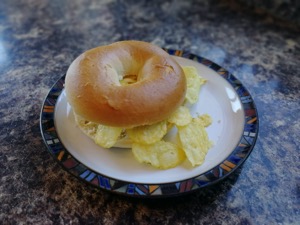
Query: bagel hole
129, 79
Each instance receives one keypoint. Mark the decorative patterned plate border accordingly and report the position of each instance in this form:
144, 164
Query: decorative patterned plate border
219, 172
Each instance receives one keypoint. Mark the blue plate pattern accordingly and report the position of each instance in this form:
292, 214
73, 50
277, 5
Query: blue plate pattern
219, 172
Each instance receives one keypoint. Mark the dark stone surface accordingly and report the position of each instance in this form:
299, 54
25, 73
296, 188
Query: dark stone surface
39, 39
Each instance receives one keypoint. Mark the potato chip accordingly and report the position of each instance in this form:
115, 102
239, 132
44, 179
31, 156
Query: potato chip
194, 82
194, 141
181, 116
204, 119
148, 134
107, 136
161, 154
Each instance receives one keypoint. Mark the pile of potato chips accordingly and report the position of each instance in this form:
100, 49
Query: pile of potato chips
148, 144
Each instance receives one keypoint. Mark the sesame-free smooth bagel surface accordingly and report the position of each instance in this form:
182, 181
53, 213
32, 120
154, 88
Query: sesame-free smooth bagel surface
94, 90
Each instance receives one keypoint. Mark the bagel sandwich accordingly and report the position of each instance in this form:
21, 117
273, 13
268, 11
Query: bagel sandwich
130, 94
124, 85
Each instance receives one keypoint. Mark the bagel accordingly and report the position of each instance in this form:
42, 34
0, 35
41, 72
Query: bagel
96, 90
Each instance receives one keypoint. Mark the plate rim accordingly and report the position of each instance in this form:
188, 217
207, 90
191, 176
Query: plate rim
233, 161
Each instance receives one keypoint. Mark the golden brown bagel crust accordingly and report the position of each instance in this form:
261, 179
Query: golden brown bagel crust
95, 93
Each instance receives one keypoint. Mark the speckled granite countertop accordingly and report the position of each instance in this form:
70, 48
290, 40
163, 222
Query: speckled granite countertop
39, 39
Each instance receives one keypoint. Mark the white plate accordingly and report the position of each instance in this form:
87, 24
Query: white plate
220, 98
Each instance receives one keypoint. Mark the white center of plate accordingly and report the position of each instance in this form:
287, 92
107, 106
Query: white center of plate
217, 98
